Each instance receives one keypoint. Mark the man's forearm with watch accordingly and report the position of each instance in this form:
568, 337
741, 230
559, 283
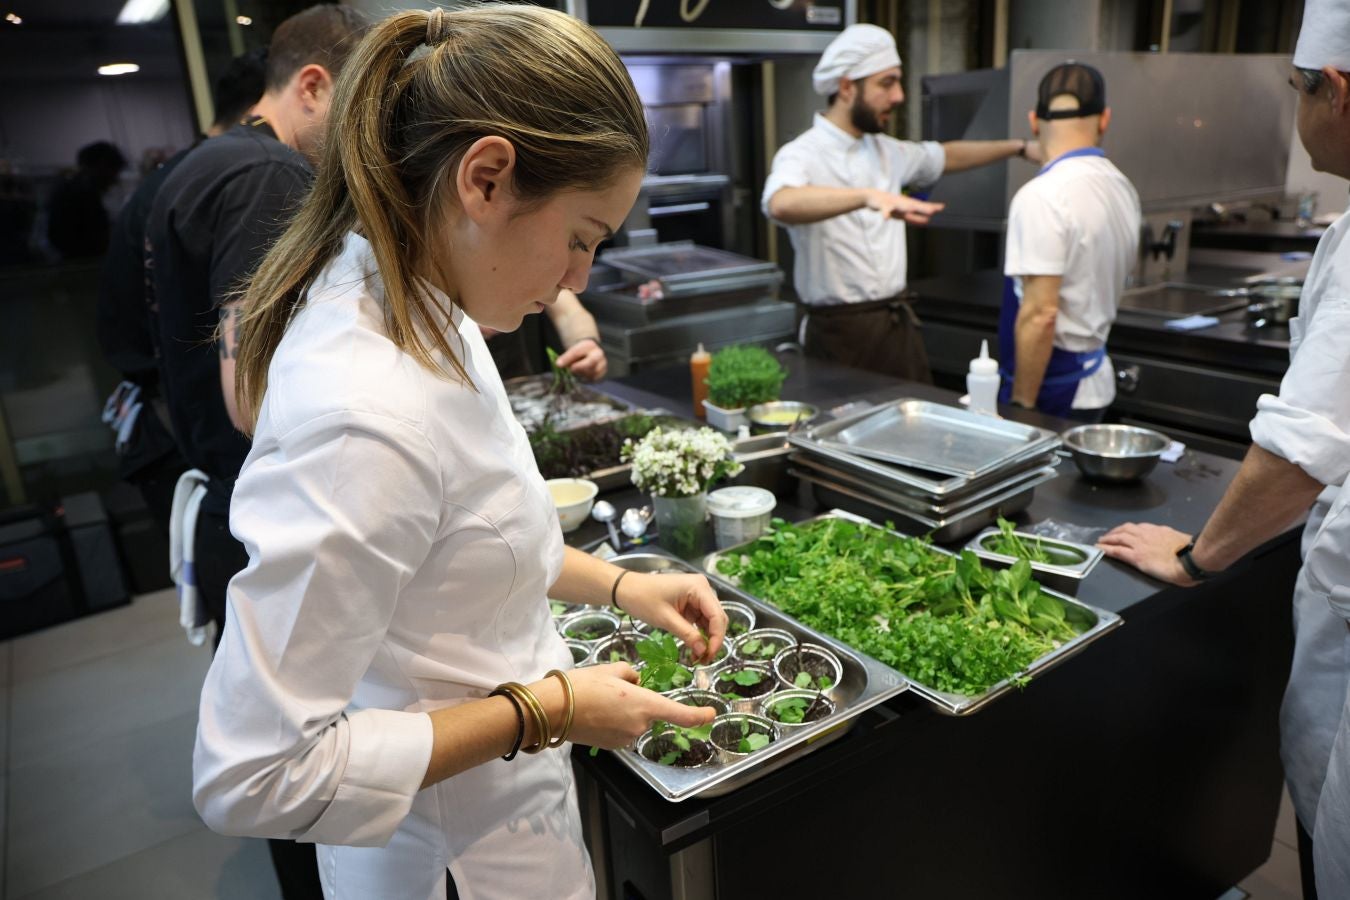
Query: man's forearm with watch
1267, 495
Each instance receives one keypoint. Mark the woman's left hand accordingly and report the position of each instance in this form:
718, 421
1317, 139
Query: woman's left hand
585, 359
683, 605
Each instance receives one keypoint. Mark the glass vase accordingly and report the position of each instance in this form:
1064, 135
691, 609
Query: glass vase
682, 523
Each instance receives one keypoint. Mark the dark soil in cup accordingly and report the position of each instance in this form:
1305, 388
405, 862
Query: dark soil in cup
736, 681
589, 631
813, 710
664, 750
815, 666
687, 657
623, 648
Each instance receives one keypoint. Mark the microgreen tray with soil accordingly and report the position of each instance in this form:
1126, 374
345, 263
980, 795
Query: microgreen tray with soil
669, 745
580, 452
954, 627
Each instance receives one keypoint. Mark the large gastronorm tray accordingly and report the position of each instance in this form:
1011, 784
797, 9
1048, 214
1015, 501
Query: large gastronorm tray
866, 683
934, 437
954, 704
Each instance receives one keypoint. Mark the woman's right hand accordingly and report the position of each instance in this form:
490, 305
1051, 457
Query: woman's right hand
611, 710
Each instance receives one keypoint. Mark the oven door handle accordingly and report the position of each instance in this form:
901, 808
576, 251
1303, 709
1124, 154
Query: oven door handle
678, 209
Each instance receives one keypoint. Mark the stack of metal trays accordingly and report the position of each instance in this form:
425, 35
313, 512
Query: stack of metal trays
947, 471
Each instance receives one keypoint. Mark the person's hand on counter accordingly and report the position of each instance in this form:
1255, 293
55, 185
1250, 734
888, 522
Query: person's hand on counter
683, 605
585, 359
1152, 549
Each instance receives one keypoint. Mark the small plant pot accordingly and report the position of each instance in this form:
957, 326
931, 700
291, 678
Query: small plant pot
815, 660
730, 731
687, 658
817, 706
743, 698
725, 419
740, 618
762, 644
663, 749
618, 647
581, 652
697, 697
589, 627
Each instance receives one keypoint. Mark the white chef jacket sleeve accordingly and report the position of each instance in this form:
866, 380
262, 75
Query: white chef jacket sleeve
337, 515
918, 163
1308, 424
1038, 236
791, 168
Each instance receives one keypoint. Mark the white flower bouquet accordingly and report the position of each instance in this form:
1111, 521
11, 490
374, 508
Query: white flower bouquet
680, 462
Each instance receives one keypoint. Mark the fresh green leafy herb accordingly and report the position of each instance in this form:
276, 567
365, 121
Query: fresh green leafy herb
946, 622
743, 677
663, 671
744, 375
556, 608
752, 742
791, 711
564, 382
737, 628
681, 738
1008, 543
804, 680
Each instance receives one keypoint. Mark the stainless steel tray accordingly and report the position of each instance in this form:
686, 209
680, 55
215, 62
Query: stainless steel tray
531, 403
866, 683
930, 486
953, 704
945, 530
1074, 563
934, 437
922, 505
684, 267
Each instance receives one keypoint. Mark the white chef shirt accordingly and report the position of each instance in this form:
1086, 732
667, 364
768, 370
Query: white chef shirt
857, 256
401, 543
1308, 423
1080, 221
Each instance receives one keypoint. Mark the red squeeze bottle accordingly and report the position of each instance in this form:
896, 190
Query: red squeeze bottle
699, 363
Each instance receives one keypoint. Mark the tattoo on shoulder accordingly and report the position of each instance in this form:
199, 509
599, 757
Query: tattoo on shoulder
227, 336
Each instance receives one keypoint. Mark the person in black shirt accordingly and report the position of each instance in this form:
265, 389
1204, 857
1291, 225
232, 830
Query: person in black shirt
147, 455
212, 221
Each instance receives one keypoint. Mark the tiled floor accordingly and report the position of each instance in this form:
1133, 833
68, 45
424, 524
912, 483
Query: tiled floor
96, 728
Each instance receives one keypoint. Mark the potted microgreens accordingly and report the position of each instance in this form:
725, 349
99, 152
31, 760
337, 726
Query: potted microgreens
737, 735
739, 377
762, 644
589, 627
677, 468
808, 666
662, 670
670, 745
740, 618
743, 683
793, 709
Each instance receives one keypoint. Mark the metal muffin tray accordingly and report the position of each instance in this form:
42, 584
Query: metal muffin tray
1072, 561
531, 404
945, 530
865, 684
935, 438
953, 704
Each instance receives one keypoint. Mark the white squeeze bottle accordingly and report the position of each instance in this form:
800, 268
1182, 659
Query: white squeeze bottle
982, 383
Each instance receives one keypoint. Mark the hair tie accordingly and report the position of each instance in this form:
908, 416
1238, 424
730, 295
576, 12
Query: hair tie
435, 26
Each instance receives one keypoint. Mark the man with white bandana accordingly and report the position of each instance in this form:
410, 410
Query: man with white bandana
837, 189
1298, 463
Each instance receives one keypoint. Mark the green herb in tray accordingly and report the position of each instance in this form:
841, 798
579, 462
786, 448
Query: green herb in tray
946, 622
1009, 543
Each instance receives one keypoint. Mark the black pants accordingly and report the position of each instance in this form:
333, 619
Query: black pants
1305, 862
218, 557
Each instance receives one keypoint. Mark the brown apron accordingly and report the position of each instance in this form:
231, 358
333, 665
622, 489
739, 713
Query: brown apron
879, 335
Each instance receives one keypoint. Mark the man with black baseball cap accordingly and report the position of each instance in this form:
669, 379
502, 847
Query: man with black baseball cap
1073, 235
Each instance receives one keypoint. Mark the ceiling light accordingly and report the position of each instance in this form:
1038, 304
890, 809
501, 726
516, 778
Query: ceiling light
243, 20
118, 69
139, 12
13, 19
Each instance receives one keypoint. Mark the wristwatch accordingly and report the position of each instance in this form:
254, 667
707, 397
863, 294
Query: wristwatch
1188, 563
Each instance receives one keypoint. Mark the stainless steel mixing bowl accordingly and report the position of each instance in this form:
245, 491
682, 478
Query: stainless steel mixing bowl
1115, 452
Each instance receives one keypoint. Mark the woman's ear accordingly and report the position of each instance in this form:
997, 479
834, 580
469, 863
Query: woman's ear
483, 178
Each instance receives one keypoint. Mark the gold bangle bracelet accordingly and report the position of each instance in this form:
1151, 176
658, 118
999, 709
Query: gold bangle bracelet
526, 696
571, 708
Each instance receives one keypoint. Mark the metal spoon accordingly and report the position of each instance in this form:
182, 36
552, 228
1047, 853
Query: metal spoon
634, 522
604, 511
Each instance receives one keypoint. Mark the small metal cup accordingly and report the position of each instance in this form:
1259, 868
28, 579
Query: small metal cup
780, 640
698, 697
740, 704
649, 743
581, 651
786, 665
576, 621
786, 728
740, 618
728, 730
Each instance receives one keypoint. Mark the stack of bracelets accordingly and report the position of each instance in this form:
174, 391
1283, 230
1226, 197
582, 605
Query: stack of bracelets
522, 698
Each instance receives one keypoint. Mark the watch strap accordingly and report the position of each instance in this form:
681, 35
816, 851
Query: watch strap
1188, 563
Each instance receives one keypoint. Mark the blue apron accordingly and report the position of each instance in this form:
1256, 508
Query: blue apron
1066, 369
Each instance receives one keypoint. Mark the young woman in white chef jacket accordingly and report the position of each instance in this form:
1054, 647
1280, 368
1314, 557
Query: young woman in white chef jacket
402, 543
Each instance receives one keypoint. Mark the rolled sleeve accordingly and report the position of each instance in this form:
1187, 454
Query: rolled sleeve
1038, 237
791, 168
1308, 424
337, 515
928, 163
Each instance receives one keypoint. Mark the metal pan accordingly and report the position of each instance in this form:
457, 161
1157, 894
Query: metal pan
1072, 563
935, 438
959, 704
866, 683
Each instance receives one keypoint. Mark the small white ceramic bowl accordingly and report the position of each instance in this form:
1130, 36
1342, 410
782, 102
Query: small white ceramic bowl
574, 498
